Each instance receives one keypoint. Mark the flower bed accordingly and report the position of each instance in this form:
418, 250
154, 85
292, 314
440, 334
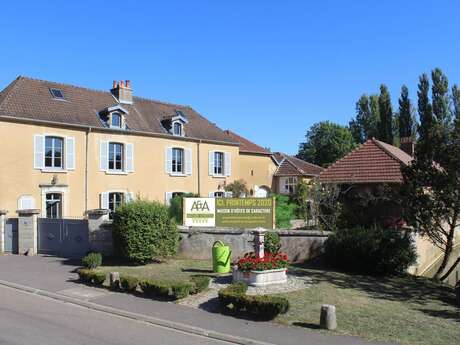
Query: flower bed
254, 271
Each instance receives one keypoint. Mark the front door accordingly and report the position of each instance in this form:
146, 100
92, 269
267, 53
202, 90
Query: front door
11, 236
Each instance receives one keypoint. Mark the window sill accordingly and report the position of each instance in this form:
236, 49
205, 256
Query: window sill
114, 172
219, 176
178, 175
50, 170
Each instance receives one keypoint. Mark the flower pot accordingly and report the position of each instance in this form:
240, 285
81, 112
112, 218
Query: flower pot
261, 278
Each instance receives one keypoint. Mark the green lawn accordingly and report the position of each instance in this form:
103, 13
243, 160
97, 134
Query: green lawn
407, 310
172, 270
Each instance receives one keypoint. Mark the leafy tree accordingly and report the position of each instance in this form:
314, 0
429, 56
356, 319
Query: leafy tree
385, 125
431, 192
325, 143
405, 120
238, 188
302, 199
365, 124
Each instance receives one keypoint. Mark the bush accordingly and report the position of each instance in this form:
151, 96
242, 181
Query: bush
200, 283
154, 289
99, 278
181, 290
165, 290
129, 283
285, 211
89, 276
375, 250
176, 207
85, 275
272, 243
238, 188
233, 298
143, 230
92, 260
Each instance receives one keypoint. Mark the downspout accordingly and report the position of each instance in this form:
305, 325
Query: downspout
198, 166
86, 168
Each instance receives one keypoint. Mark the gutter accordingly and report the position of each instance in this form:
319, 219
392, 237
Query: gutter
88, 131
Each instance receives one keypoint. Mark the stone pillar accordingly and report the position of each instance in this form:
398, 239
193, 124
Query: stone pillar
328, 319
27, 231
2, 229
100, 231
259, 235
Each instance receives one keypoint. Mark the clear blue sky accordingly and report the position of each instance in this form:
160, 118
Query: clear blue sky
265, 69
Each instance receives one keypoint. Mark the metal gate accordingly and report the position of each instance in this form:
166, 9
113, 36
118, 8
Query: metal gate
11, 235
63, 237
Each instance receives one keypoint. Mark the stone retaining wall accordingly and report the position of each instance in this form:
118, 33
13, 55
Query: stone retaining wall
300, 245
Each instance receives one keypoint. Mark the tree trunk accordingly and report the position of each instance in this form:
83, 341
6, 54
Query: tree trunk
449, 271
447, 253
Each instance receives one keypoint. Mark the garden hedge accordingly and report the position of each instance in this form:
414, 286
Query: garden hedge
234, 299
371, 250
143, 230
129, 283
89, 276
166, 290
92, 260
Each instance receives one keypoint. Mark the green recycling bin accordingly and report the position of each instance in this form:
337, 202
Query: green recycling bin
221, 257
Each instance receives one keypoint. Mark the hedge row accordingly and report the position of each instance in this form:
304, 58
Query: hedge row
234, 299
152, 288
89, 276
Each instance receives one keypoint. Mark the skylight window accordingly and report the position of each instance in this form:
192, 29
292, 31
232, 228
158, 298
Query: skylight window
57, 94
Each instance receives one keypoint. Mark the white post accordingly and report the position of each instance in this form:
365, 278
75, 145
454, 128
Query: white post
2, 230
259, 235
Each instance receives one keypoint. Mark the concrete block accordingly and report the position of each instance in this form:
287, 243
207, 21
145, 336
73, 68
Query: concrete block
328, 319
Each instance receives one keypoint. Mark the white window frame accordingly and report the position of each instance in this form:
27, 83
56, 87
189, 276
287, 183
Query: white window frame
226, 163
54, 189
187, 161
222, 154
111, 120
173, 132
182, 151
127, 164
128, 196
63, 152
122, 162
290, 183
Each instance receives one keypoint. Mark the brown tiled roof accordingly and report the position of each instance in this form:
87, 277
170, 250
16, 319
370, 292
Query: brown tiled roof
31, 99
246, 145
292, 166
372, 162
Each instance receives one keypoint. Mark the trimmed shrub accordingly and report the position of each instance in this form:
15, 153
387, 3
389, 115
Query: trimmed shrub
181, 290
129, 283
176, 207
200, 283
92, 260
374, 250
143, 230
272, 243
155, 289
98, 278
234, 299
285, 211
85, 275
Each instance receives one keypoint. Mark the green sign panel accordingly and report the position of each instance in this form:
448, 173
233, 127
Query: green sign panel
245, 212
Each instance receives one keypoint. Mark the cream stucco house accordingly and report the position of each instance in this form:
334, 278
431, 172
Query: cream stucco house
69, 149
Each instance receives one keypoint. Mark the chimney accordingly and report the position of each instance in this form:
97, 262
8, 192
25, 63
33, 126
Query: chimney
122, 91
407, 144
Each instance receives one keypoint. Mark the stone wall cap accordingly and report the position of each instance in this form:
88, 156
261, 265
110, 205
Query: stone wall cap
28, 211
98, 211
3, 212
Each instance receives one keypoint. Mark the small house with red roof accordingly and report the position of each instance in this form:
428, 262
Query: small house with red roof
291, 171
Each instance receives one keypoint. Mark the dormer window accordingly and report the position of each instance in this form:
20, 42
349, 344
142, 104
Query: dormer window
177, 128
115, 120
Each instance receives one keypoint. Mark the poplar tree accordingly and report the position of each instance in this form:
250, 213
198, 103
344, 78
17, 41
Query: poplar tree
405, 120
364, 125
385, 125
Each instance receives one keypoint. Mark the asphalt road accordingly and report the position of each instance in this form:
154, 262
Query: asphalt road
30, 319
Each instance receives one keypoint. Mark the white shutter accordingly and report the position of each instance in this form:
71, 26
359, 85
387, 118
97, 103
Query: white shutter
39, 151
104, 156
229, 194
129, 197
168, 160
211, 194
211, 163
129, 158
228, 164
188, 161
105, 200
70, 153
168, 197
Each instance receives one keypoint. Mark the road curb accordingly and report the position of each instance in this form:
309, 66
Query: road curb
138, 317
